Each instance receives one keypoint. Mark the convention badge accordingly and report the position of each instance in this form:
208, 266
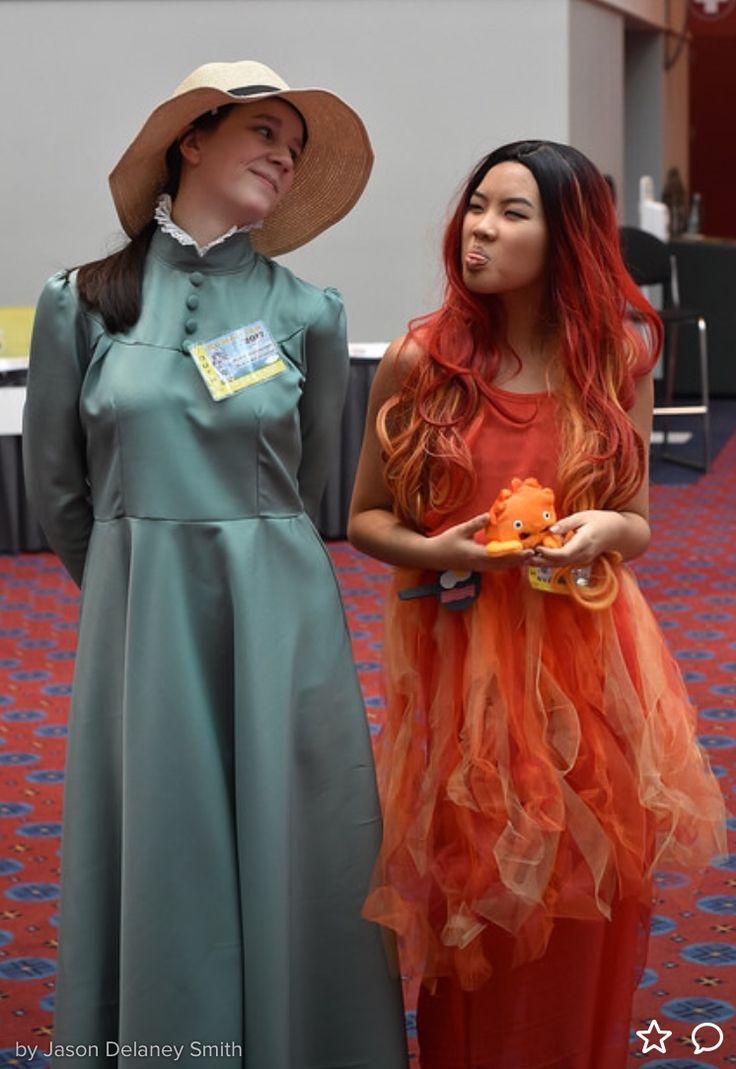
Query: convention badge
543, 578
236, 360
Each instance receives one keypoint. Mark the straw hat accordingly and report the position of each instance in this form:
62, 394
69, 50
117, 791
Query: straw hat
329, 177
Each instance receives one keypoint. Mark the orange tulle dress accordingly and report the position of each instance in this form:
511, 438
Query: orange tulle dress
538, 761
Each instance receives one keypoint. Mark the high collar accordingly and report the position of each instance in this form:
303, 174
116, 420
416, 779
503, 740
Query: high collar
234, 254
165, 222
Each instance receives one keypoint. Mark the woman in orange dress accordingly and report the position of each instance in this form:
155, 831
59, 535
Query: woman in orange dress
538, 759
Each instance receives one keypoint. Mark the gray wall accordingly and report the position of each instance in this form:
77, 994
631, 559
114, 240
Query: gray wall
438, 82
596, 69
644, 116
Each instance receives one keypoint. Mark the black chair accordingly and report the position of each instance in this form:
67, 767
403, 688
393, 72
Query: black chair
650, 263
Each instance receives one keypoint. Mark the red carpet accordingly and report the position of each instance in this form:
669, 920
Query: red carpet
689, 576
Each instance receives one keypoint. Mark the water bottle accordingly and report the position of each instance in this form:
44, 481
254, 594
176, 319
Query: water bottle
695, 218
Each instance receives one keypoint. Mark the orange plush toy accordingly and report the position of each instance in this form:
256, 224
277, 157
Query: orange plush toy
520, 518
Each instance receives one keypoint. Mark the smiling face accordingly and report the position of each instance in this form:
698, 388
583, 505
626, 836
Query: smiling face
243, 167
504, 233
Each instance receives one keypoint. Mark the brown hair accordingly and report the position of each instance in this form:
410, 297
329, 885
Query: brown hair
113, 285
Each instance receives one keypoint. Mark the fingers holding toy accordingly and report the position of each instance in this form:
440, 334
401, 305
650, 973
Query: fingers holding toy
512, 557
520, 519
521, 527
462, 547
585, 536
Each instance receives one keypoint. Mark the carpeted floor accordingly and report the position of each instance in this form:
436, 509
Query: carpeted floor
689, 576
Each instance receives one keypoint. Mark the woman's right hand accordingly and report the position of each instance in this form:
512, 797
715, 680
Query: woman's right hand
373, 526
457, 549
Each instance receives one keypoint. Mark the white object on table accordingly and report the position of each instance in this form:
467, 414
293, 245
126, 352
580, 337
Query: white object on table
373, 350
13, 363
654, 216
12, 398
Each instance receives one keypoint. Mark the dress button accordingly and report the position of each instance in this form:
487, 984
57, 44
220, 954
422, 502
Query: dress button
196, 278
190, 326
192, 302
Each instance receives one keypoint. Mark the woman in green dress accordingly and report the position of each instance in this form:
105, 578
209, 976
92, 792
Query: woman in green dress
184, 399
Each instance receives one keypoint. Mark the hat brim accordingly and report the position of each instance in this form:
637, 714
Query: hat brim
329, 177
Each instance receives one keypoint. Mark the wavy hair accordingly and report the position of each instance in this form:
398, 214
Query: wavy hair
606, 332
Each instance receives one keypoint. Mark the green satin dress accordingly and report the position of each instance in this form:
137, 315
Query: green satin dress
221, 817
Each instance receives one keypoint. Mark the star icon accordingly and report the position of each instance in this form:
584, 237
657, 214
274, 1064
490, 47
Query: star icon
654, 1044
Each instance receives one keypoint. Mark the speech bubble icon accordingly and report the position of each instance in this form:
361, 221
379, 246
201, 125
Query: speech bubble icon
699, 1048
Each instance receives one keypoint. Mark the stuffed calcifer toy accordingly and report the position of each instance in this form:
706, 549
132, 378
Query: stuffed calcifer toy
520, 518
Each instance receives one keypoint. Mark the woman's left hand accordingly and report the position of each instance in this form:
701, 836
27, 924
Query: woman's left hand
588, 534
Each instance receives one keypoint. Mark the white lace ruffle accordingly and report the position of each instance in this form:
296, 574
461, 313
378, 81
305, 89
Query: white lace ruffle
162, 215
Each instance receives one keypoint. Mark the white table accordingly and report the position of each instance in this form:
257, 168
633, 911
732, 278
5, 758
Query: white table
12, 398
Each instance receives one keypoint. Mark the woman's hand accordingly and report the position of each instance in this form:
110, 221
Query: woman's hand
594, 532
457, 549
373, 526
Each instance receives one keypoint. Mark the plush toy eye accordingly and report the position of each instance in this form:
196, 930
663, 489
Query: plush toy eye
518, 525
546, 515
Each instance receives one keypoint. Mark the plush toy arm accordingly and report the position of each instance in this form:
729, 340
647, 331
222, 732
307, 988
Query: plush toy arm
501, 549
551, 541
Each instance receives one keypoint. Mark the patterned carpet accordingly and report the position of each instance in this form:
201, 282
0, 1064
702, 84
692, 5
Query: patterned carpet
689, 577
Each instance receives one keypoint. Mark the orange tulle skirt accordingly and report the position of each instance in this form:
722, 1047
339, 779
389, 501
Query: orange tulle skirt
538, 761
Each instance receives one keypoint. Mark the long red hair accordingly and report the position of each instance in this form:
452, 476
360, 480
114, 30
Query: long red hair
607, 333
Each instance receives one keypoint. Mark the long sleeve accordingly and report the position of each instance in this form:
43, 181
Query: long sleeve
323, 397
53, 437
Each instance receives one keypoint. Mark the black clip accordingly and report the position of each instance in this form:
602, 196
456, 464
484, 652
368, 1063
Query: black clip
455, 590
